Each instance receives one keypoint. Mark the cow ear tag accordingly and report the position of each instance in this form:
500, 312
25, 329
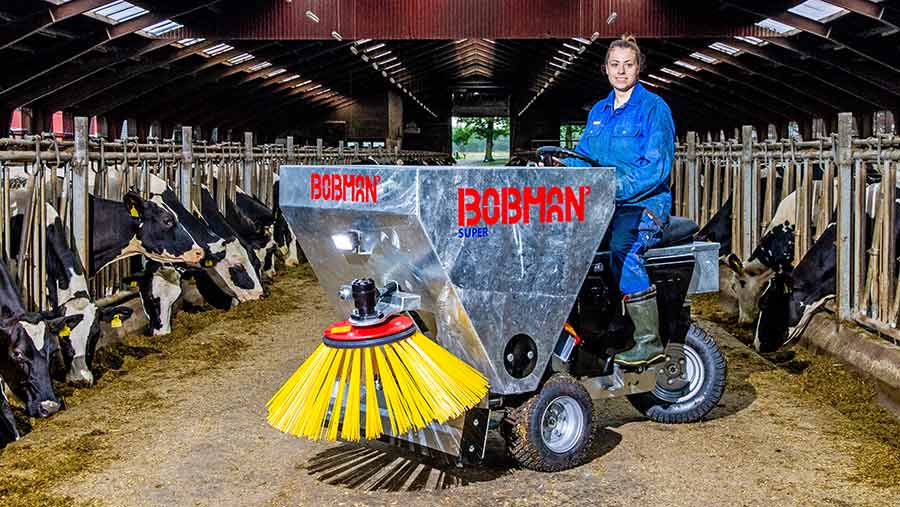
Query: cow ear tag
134, 283
134, 212
116, 321
65, 331
208, 263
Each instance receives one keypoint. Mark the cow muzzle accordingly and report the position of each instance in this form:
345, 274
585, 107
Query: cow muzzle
79, 375
193, 256
48, 408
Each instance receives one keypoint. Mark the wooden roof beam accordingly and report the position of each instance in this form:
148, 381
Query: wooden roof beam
44, 19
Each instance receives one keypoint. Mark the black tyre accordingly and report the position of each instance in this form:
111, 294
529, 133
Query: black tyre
690, 385
553, 430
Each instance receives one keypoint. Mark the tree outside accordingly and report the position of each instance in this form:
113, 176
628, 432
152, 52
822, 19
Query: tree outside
487, 133
569, 135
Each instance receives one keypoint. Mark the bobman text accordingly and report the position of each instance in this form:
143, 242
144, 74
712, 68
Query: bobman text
511, 205
343, 187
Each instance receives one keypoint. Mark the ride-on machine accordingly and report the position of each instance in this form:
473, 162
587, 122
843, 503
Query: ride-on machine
503, 270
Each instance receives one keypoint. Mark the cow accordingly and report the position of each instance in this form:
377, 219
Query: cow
28, 346
285, 239
8, 431
227, 278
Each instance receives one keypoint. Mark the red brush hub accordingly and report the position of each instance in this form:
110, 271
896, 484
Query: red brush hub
345, 335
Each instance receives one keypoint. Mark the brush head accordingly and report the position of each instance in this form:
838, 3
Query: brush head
344, 335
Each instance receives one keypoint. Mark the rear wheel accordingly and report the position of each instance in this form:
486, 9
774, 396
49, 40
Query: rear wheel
689, 385
552, 430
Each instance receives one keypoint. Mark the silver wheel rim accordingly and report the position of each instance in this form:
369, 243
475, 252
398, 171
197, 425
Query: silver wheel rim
562, 424
693, 375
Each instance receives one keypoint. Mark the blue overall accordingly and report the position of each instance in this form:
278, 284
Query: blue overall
638, 139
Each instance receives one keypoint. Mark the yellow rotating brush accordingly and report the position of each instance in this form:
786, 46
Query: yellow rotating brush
414, 380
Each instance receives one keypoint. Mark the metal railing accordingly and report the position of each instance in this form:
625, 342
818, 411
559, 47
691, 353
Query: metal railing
830, 179
41, 169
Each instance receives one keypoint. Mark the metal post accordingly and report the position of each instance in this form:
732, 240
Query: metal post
340, 148
249, 164
845, 216
319, 150
772, 134
187, 166
748, 209
290, 149
80, 177
693, 182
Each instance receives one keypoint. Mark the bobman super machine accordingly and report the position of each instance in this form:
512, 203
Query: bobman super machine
470, 299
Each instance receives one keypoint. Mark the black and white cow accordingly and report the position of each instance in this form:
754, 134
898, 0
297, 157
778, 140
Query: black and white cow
28, 346
255, 222
285, 239
8, 431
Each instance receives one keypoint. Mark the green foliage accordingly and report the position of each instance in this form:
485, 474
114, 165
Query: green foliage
487, 128
461, 137
569, 135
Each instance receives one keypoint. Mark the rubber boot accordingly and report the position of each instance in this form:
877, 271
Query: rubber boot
648, 347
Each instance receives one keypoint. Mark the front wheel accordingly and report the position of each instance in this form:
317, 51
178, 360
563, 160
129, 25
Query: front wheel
553, 430
689, 385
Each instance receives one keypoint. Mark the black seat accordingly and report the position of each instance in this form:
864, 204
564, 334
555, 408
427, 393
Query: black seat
679, 231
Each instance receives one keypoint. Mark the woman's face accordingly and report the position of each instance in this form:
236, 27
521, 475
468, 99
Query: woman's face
622, 68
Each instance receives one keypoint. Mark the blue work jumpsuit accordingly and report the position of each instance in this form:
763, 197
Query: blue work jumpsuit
639, 140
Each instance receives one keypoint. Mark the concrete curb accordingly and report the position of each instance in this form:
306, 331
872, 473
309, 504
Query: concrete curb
864, 352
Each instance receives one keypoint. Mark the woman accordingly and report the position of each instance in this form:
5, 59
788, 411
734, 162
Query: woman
632, 129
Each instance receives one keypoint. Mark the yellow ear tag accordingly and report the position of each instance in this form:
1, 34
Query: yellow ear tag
340, 329
65, 331
209, 263
134, 212
134, 283
116, 321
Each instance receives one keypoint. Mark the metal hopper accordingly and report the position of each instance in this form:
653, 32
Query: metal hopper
492, 253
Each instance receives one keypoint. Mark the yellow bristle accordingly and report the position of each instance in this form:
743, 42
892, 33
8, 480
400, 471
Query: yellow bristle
400, 422
319, 407
374, 428
335, 420
417, 407
286, 405
350, 424
462, 383
433, 386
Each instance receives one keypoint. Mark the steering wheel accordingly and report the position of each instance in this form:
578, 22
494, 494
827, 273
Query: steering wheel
550, 154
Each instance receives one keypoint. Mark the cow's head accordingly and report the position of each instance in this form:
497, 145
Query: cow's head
8, 431
79, 343
776, 248
235, 270
774, 305
160, 237
743, 283
29, 344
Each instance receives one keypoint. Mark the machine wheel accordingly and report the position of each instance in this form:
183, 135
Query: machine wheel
690, 385
553, 430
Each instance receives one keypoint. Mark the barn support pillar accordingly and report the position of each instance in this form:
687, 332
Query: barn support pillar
394, 138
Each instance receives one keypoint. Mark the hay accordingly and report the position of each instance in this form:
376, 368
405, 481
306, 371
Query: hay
874, 430
56, 452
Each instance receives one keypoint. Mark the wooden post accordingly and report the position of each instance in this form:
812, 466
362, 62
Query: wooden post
319, 150
187, 166
249, 164
748, 211
80, 177
693, 181
340, 148
290, 149
843, 149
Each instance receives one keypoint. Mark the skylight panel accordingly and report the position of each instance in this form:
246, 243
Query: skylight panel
724, 48
776, 26
298, 85
290, 78
751, 40
160, 28
259, 66
246, 57
276, 72
672, 72
818, 10
686, 65
704, 58
217, 49
664, 80
188, 42
648, 83
116, 12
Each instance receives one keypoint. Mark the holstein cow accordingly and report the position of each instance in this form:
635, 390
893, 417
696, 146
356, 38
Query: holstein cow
253, 223
228, 277
285, 239
8, 431
28, 348
219, 224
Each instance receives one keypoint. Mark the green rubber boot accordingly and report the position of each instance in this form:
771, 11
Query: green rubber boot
648, 347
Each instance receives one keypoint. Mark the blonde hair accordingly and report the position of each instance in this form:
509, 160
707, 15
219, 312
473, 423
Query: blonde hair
626, 41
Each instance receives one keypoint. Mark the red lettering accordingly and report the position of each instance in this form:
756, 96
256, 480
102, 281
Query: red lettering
554, 209
315, 186
464, 207
532, 199
491, 211
512, 207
